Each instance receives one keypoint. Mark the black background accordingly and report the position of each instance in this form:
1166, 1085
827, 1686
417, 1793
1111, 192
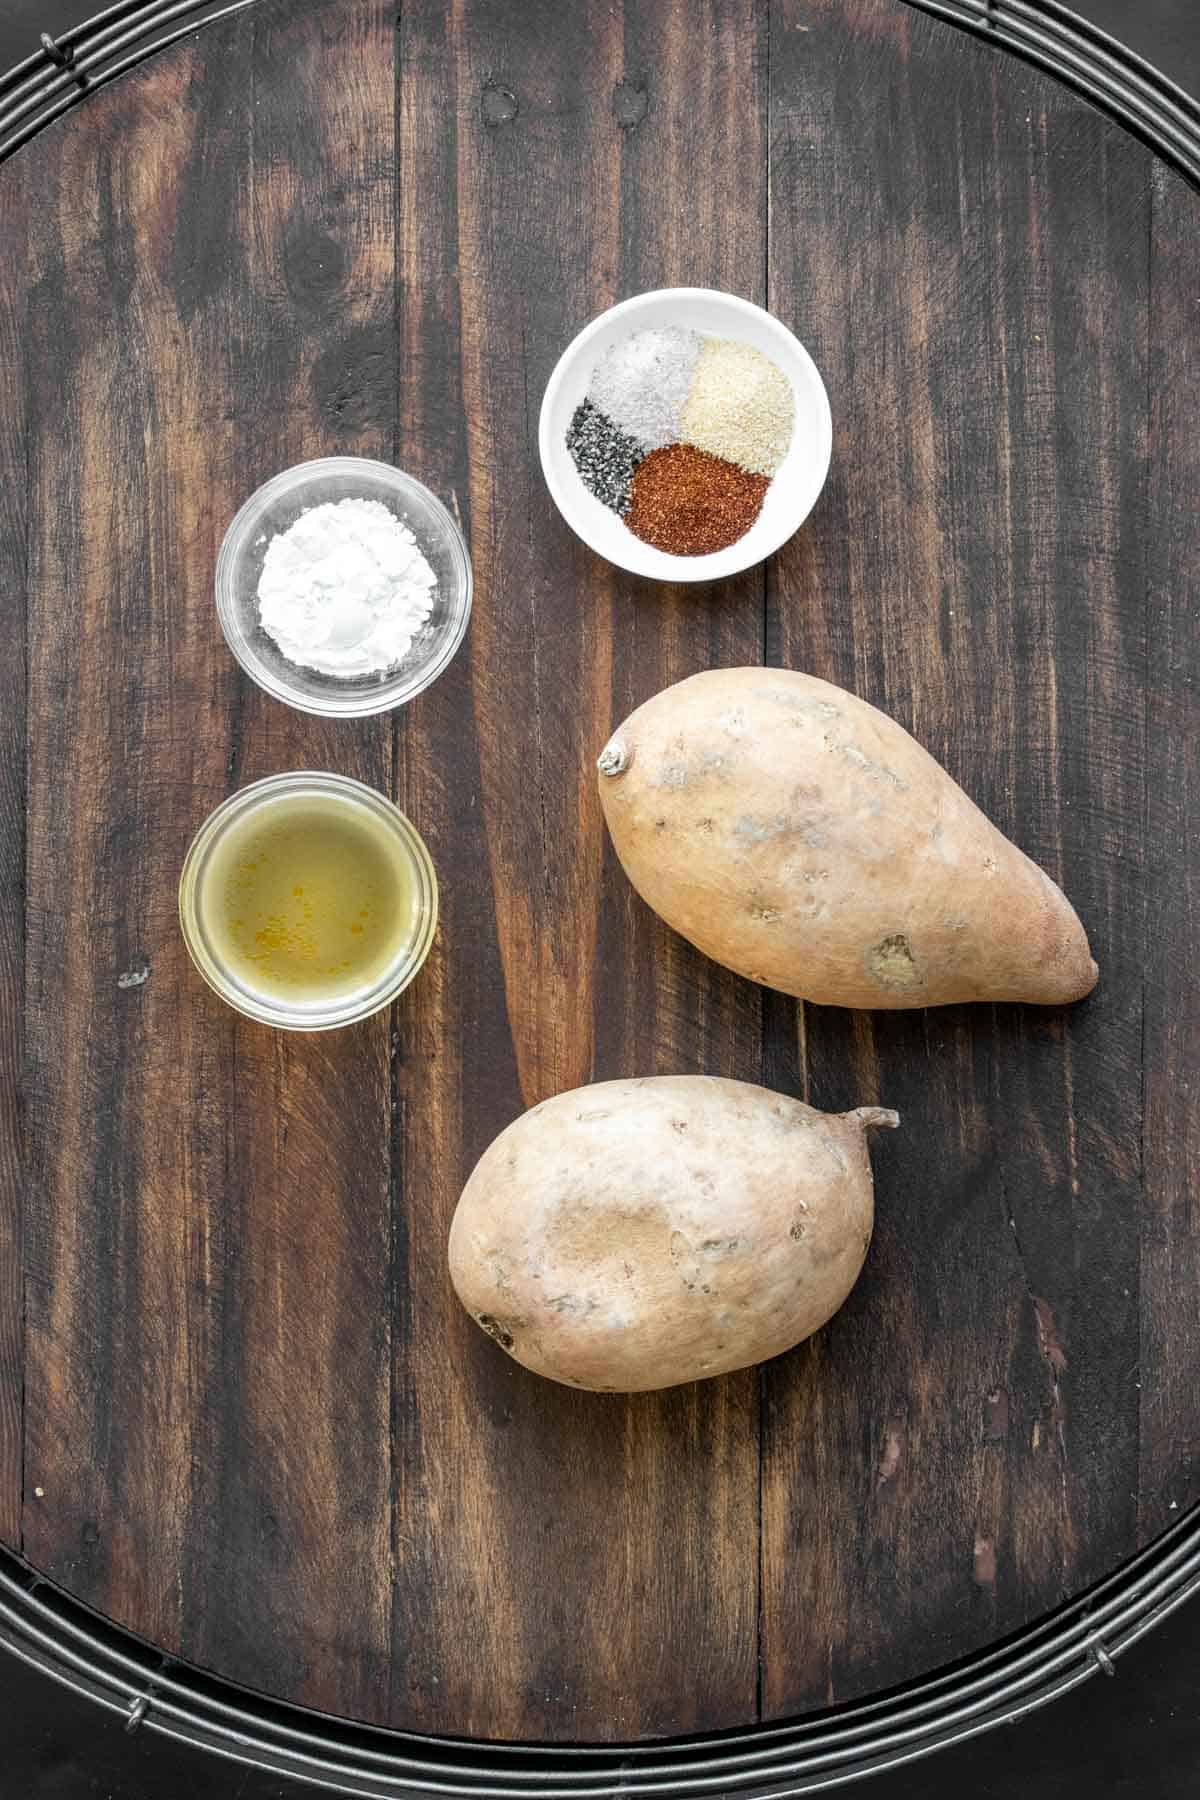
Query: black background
1136, 1735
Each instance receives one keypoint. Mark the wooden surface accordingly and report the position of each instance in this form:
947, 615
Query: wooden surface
13, 501
240, 1410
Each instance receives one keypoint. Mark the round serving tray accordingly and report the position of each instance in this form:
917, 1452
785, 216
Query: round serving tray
262, 1486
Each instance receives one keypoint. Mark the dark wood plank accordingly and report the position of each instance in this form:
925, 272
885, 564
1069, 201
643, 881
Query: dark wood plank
959, 1449
1170, 1275
13, 552
117, 718
595, 1576
296, 1566
210, 1236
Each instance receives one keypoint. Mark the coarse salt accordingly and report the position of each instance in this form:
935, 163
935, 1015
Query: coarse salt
642, 383
345, 589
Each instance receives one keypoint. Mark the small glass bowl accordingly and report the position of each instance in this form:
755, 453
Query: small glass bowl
277, 505
357, 1003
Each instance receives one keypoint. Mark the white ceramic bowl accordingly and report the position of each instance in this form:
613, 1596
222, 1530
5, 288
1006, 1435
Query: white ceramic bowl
278, 504
791, 495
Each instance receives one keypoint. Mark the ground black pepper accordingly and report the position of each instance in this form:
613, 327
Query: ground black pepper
689, 503
604, 456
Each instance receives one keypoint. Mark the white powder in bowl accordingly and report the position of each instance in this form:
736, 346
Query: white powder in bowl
345, 589
642, 382
740, 406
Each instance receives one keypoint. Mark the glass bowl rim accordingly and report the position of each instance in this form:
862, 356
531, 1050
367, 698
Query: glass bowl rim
388, 693
330, 1016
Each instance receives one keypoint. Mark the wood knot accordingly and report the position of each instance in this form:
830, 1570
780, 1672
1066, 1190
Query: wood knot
354, 380
631, 102
314, 264
498, 105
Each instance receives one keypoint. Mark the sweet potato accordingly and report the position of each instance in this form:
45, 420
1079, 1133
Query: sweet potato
801, 837
638, 1234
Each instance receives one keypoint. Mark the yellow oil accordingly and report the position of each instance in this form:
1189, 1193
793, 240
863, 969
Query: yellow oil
308, 899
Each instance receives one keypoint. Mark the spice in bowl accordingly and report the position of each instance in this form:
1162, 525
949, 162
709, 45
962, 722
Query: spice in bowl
642, 383
345, 589
739, 406
681, 434
604, 456
689, 503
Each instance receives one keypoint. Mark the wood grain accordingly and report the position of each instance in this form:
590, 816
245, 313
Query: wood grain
114, 725
1169, 1368
13, 555
953, 258
545, 975
209, 1264
297, 1569
258, 1427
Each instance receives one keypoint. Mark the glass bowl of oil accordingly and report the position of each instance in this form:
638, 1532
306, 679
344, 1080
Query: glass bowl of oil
277, 505
308, 901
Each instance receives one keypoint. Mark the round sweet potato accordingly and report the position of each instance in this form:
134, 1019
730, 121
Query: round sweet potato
638, 1234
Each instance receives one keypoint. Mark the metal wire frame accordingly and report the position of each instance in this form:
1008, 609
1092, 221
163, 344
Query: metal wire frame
61, 72
54, 1633
65, 70
1082, 56
49, 1630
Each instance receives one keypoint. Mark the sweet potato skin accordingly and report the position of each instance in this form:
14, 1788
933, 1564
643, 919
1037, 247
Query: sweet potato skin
638, 1234
801, 837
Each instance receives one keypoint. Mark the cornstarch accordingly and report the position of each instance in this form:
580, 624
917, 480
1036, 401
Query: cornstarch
345, 589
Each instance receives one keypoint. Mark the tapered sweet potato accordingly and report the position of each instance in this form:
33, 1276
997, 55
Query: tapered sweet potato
803, 838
